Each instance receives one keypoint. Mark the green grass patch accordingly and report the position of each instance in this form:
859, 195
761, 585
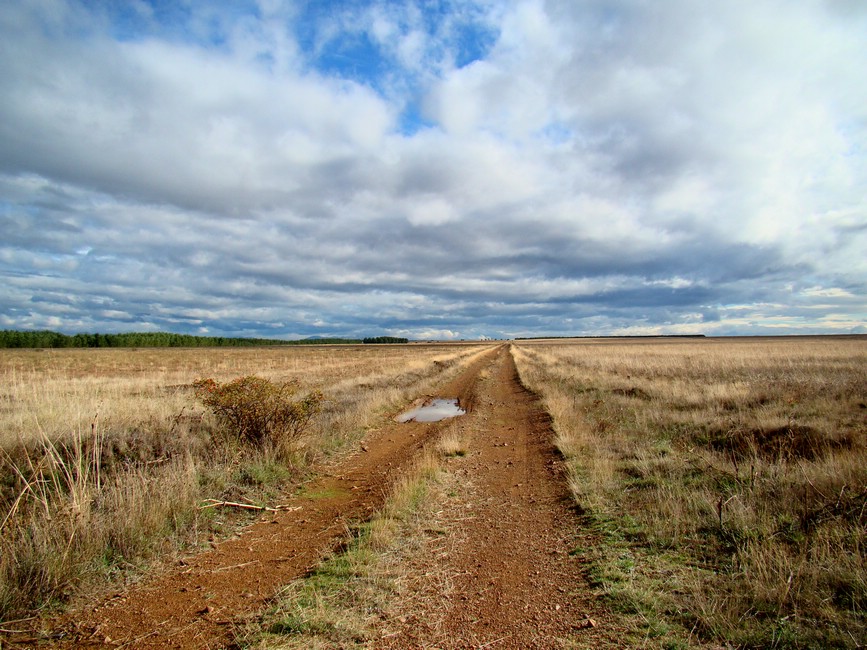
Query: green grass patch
264, 473
339, 603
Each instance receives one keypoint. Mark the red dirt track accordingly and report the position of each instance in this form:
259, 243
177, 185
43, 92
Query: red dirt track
513, 581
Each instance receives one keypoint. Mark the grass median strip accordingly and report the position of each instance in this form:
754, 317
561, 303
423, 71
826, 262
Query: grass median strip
345, 601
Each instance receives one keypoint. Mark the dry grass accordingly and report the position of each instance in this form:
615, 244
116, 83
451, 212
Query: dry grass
344, 602
105, 454
454, 440
727, 479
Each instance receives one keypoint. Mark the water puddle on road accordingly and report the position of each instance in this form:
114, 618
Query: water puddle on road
433, 411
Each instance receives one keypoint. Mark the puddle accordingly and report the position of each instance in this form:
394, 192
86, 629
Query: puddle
432, 411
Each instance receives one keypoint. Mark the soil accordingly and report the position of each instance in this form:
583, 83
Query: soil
503, 575
514, 585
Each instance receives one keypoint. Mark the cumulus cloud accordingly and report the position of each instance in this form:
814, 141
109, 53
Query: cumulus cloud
474, 168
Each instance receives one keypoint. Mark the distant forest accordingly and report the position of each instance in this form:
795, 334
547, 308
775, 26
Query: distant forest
49, 339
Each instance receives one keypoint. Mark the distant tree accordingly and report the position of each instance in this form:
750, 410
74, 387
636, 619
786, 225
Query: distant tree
49, 339
385, 339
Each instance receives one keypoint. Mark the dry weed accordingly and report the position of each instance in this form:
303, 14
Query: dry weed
454, 440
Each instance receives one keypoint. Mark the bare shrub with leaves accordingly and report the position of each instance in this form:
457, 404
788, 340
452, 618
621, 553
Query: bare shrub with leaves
260, 411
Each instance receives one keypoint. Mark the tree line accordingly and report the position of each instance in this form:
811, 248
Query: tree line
49, 339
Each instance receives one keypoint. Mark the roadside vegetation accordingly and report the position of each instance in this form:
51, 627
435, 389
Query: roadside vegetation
726, 481
107, 456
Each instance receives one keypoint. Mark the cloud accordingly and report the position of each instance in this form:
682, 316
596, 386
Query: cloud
466, 169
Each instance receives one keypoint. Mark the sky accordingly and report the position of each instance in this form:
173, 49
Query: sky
434, 169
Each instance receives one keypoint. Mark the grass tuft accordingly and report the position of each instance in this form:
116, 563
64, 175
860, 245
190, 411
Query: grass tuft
454, 441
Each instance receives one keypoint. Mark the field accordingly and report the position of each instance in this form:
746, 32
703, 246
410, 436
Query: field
106, 453
727, 481
719, 492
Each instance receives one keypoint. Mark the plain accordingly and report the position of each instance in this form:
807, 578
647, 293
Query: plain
723, 482
107, 455
726, 478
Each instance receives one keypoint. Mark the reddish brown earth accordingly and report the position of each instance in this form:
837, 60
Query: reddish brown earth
513, 581
510, 522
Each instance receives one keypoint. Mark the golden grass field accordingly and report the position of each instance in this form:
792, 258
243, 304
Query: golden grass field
106, 454
726, 478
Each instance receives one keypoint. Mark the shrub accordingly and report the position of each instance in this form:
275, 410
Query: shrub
258, 410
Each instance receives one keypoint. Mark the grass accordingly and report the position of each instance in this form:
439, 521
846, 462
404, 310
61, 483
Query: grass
105, 455
453, 441
726, 479
344, 600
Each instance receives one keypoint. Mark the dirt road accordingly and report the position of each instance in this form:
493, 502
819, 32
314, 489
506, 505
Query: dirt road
512, 580
515, 585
